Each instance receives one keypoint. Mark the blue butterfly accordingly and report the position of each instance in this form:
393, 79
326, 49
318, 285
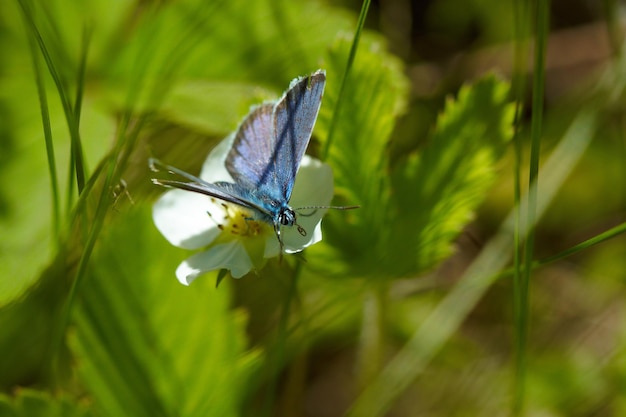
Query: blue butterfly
265, 156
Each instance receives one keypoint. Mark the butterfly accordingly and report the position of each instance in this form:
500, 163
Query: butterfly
265, 156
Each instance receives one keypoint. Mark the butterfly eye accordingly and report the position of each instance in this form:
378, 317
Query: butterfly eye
287, 217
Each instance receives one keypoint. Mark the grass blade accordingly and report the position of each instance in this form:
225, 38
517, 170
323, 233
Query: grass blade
519, 87
355, 44
439, 326
47, 132
523, 283
76, 147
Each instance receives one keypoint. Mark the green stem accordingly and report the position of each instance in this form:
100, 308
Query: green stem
278, 356
47, 133
541, 36
112, 167
76, 147
519, 87
355, 44
82, 68
602, 237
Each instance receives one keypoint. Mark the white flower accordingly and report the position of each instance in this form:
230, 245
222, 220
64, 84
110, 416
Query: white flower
229, 238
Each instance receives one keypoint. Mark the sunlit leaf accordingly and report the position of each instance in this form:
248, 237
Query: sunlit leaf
437, 190
211, 107
25, 197
147, 345
31, 403
263, 42
375, 95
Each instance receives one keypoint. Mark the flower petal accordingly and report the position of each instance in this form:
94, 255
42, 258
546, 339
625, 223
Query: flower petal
214, 167
295, 242
313, 187
231, 256
314, 184
181, 216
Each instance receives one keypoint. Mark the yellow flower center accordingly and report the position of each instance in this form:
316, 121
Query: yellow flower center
237, 222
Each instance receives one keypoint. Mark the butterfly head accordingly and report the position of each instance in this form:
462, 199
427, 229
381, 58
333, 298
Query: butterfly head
287, 217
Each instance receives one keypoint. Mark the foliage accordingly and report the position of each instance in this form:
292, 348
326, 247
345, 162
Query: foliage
144, 344
94, 323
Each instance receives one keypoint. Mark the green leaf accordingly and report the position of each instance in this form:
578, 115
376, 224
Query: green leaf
31, 403
217, 48
265, 42
147, 345
453, 310
28, 327
407, 223
25, 196
374, 96
25, 188
212, 107
437, 190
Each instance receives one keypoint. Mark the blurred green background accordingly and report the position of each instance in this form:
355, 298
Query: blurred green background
408, 307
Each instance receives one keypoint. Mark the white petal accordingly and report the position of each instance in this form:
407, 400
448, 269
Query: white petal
213, 169
314, 184
271, 247
181, 216
231, 256
313, 187
297, 243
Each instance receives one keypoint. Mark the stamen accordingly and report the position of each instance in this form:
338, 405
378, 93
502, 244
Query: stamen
238, 222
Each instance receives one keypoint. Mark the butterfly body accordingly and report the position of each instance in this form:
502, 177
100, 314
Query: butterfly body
265, 207
265, 155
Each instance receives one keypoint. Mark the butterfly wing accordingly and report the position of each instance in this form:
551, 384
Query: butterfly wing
270, 143
225, 191
251, 152
294, 118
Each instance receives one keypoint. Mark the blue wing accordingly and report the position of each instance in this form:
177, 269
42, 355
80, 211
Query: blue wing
226, 191
271, 141
251, 152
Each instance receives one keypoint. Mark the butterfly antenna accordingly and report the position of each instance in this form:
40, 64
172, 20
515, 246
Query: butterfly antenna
315, 208
329, 207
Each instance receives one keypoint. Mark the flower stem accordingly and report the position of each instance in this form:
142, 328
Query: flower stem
355, 44
279, 357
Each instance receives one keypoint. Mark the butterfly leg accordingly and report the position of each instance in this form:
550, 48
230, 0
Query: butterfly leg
280, 241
